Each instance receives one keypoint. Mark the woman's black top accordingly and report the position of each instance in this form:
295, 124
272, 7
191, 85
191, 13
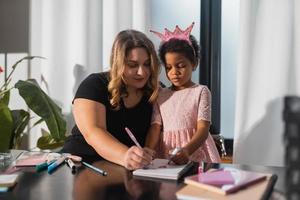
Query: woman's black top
137, 118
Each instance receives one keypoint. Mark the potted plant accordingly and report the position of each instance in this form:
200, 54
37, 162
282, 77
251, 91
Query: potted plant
14, 122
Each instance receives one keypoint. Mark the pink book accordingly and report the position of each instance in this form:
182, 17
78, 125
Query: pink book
218, 177
27, 159
225, 181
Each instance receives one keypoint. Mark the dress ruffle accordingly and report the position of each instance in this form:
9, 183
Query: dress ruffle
179, 138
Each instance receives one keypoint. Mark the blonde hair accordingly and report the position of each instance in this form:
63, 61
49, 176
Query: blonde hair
124, 42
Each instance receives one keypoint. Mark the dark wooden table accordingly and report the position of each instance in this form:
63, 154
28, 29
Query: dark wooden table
119, 184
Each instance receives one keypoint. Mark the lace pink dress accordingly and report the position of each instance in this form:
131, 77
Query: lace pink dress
178, 113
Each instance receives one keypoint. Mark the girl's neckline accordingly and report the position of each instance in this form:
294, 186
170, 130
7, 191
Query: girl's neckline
191, 86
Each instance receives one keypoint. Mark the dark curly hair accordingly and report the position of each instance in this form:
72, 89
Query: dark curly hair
192, 52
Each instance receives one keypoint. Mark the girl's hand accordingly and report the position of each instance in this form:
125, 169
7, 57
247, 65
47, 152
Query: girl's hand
136, 157
182, 157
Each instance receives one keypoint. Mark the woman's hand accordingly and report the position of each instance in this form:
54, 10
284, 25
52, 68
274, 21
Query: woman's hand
136, 157
182, 157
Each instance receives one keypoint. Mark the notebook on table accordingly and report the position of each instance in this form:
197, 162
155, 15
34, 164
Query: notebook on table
7, 181
29, 158
226, 180
33, 158
228, 183
259, 191
162, 170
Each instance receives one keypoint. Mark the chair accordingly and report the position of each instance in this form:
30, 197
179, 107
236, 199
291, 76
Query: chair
220, 144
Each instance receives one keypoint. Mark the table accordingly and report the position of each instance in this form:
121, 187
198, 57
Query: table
119, 184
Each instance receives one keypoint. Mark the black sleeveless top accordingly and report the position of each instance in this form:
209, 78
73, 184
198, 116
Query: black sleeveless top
137, 118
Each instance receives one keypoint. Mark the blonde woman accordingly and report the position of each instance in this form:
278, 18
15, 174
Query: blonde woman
106, 103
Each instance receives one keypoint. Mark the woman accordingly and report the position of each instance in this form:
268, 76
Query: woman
106, 103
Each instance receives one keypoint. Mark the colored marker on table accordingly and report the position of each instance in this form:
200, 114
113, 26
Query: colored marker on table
43, 166
71, 164
56, 164
98, 170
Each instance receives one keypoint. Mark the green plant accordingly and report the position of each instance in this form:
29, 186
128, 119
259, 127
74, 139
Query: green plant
14, 122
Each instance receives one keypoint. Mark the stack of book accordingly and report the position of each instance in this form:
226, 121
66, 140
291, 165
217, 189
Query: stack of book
7, 181
227, 183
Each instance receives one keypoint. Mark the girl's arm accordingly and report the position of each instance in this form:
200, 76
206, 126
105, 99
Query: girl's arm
90, 117
153, 136
203, 122
199, 137
197, 140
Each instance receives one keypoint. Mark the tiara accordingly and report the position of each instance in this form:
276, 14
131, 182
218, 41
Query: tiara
176, 34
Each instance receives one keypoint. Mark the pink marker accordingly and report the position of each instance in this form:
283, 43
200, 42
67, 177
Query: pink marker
132, 137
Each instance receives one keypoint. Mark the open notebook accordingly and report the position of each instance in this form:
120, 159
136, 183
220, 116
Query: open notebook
162, 170
226, 180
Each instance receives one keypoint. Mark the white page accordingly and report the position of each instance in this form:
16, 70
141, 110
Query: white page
161, 169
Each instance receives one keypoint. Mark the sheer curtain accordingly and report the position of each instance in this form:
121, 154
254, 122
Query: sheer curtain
268, 69
75, 37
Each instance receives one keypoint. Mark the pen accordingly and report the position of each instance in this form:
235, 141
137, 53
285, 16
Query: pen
132, 137
104, 173
56, 164
71, 164
173, 153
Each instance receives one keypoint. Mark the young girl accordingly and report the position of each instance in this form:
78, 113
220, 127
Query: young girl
181, 116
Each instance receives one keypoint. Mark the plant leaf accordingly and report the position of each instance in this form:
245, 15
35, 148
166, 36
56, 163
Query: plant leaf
20, 121
40, 103
47, 142
38, 122
26, 58
5, 98
6, 127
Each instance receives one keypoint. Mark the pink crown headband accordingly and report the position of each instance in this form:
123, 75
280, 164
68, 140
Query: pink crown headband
176, 34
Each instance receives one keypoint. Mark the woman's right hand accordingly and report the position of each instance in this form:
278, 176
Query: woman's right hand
136, 157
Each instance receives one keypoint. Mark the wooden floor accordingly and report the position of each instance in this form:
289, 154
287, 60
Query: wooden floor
226, 159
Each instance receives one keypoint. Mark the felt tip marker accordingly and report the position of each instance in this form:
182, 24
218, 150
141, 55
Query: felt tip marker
98, 170
55, 165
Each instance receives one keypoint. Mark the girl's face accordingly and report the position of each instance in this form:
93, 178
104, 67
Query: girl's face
179, 70
137, 68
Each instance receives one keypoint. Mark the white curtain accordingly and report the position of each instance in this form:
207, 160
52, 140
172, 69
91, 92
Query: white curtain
268, 69
75, 37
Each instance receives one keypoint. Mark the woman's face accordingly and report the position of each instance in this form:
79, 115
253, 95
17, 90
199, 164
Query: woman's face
137, 68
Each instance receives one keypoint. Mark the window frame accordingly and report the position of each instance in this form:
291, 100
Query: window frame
210, 63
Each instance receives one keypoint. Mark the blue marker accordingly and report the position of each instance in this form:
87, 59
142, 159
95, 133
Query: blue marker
42, 166
56, 164
98, 170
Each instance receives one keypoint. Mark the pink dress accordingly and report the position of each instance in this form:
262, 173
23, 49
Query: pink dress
178, 113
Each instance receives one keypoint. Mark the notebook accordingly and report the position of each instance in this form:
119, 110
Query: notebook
218, 177
8, 180
31, 158
259, 191
162, 170
226, 180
